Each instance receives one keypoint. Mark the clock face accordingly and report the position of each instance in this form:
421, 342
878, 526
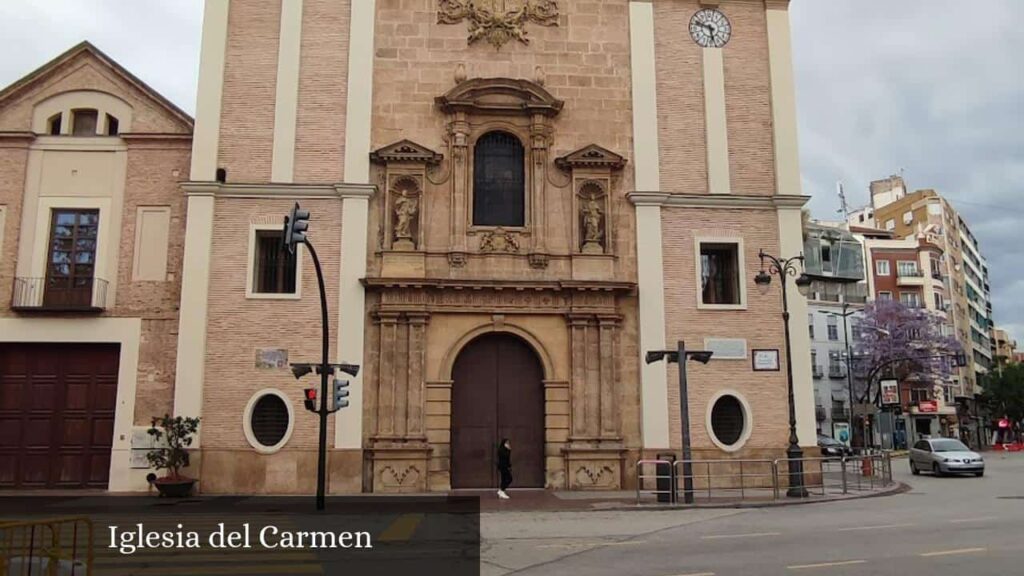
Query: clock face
710, 28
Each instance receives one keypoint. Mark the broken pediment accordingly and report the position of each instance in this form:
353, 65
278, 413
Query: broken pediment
591, 156
406, 151
500, 96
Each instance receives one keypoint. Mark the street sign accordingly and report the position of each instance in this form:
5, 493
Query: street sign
890, 392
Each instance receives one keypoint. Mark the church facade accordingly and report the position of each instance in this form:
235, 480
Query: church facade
512, 201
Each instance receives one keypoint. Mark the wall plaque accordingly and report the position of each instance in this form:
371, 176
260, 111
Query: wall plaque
765, 360
271, 358
727, 348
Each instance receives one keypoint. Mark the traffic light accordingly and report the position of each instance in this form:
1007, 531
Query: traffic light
340, 394
296, 224
309, 395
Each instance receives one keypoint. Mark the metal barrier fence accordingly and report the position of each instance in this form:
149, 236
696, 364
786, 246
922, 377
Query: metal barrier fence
760, 479
56, 547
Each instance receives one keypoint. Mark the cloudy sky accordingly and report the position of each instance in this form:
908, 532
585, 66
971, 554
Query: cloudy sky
932, 88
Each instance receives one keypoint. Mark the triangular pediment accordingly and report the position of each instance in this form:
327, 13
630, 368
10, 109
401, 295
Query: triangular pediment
500, 96
591, 156
406, 151
86, 67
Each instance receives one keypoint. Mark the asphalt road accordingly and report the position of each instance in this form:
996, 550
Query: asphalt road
942, 526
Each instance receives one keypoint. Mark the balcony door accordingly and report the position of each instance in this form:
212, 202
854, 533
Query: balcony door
71, 260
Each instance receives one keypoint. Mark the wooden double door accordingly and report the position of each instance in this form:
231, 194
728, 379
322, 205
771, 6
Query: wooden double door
498, 392
57, 405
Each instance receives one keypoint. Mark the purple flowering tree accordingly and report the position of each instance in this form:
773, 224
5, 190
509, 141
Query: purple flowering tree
901, 341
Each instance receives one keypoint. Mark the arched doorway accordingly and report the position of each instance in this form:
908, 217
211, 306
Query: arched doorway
498, 392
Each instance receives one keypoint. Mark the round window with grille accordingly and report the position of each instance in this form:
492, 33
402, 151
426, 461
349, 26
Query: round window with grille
728, 420
268, 421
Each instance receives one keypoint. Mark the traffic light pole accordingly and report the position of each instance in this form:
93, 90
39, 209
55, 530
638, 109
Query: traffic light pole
325, 370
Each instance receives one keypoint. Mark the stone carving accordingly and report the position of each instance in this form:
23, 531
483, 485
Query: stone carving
538, 260
457, 259
499, 240
391, 478
592, 218
595, 476
498, 21
406, 209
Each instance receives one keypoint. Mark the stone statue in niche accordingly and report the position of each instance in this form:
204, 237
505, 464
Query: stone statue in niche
499, 240
406, 209
592, 219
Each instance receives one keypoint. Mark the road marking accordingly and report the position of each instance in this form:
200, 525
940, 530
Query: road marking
401, 529
952, 552
751, 535
878, 527
826, 564
980, 519
592, 543
698, 574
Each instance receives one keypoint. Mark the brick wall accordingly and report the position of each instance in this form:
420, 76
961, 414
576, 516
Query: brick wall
154, 174
237, 326
679, 65
250, 83
13, 159
323, 91
760, 324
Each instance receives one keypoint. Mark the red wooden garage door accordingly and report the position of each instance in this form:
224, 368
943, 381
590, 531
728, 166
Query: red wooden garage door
57, 414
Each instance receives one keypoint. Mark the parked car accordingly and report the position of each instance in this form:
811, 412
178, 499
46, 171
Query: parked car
830, 447
943, 456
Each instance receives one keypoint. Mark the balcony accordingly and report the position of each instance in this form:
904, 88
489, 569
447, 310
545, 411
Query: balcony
910, 278
840, 413
819, 413
836, 372
817, 372
59, 295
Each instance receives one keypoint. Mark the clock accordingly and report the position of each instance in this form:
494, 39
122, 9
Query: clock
710, 28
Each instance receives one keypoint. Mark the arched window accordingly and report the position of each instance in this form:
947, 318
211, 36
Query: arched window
499, 182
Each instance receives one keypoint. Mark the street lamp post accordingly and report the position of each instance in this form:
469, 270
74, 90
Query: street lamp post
783, 269
678, 355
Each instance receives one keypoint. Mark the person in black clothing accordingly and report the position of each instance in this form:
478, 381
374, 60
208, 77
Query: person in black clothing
504, 467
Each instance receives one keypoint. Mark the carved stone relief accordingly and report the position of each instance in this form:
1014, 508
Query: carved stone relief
499, 240
498, 21
405, 202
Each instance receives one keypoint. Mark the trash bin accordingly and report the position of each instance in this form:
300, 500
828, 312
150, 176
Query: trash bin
666, 478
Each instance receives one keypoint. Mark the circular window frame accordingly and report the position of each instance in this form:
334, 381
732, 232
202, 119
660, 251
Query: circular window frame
247, 421
748, 421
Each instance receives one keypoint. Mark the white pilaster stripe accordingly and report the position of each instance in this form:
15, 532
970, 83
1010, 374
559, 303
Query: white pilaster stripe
206, 132
780, 60
360, 92
286, 103
715, 122
348, 430
651, 282
195, 283
791, 244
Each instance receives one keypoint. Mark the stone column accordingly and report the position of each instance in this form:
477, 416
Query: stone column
578, 394
609, 327
538, 171
388, 322
416, 376
460, 187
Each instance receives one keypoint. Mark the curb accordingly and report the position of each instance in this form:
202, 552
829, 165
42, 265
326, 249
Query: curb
897, 488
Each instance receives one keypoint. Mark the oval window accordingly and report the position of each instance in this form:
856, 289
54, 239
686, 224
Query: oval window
269, 420
728, 420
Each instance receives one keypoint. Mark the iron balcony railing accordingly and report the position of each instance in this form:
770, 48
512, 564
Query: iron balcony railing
817, 371
63, 294
820, 414
910, 274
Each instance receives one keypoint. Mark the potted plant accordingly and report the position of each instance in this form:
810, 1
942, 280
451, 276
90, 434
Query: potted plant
172, 435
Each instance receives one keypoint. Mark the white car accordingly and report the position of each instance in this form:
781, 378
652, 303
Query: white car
943, 456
